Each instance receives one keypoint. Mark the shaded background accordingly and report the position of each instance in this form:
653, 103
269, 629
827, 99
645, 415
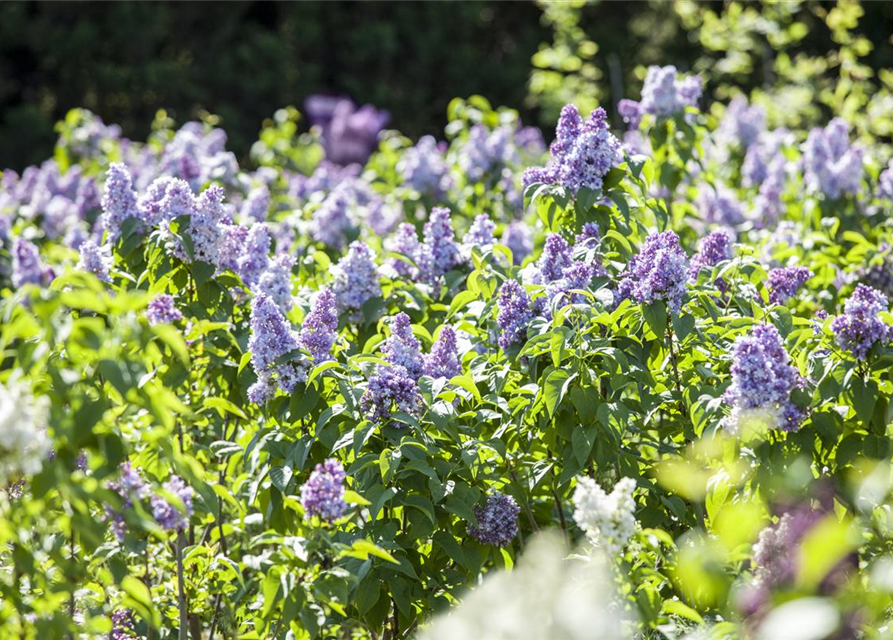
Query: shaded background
244, 60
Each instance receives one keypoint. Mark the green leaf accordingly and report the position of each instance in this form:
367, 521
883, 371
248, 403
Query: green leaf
655, 315
362, 549
280, 476
555, 387
681, 609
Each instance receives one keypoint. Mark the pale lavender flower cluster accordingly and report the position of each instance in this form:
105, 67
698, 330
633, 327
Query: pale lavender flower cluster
514, 314
484, 151
518, 237
118, 200
719, 206
391, 389
123, 626
438, 252
27, 267
588, 241
554, 259
256, 205
355, 279
767, 204
402, 347
763, 379
322, 496
405, 241
320, 327
271, 338
860, 328
742, 123
784, 283
170, 515
423, 167
885, 183
559, 272
275, 281
663, 94
161, 309
497, 520
254, 257
349, 133
96, 259
658, 272
480, 234
582, 153
765, 157
831, 164
332, 221
713, 248
443, 361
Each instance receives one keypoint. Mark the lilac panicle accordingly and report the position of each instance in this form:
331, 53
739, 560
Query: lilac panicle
355, 279
742, 123
390, 388
784, 283
480, 233
169, 515
658, 272
271, 338
319, 331
517, 237
206, 226
322, 495
514, 314
582, 153
405, 241
331, 221
256, 205
439, 252
123, 626
130, 486
860, 328
27, 267
663, 94
719, 206
497, 520
443, 361
424, 169
118, 200
96, 259
713, 248
254, 257
831, 164
402, 347
275, 281
555, 258
162, 308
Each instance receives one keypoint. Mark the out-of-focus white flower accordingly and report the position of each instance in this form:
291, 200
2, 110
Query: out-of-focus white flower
607, 519
24, 443
546, 596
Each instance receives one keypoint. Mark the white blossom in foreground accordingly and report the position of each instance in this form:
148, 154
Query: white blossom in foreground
607, 519
24, 443
546, 596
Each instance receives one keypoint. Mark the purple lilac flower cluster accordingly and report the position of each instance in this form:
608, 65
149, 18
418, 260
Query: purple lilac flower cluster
497, 520
423, 168
831, 164
170, 515
332, 221
405, 241
438, 252
96, 259
582, 153
402, 347
123, 626
355, 279
784, 283
275, 281
391, 389
130, 486
659, 272
443, 361
349, 133
518, 237
322, 496
161, 309
742, 123
118, 200
719, 206
763, 379
713, 248
256, 205
27, 267
663, 94
885, 183
486, 151
320, 328
514, 314
480, 234
271, 338
860, 328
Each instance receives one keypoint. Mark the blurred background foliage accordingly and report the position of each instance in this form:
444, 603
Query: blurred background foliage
244, 60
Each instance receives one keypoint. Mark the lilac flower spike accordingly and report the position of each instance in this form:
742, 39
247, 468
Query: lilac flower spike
443, 361
514, 314
784, 283
405, 241
713, 248
832, 165
118, 200
439, 252
271, 338
355, 279
161, 309
168, 515
860, 328
497, 520
27, 267
319, 331
391, 388
658, 272
517, 237
322, 495
582, 153
402, 347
